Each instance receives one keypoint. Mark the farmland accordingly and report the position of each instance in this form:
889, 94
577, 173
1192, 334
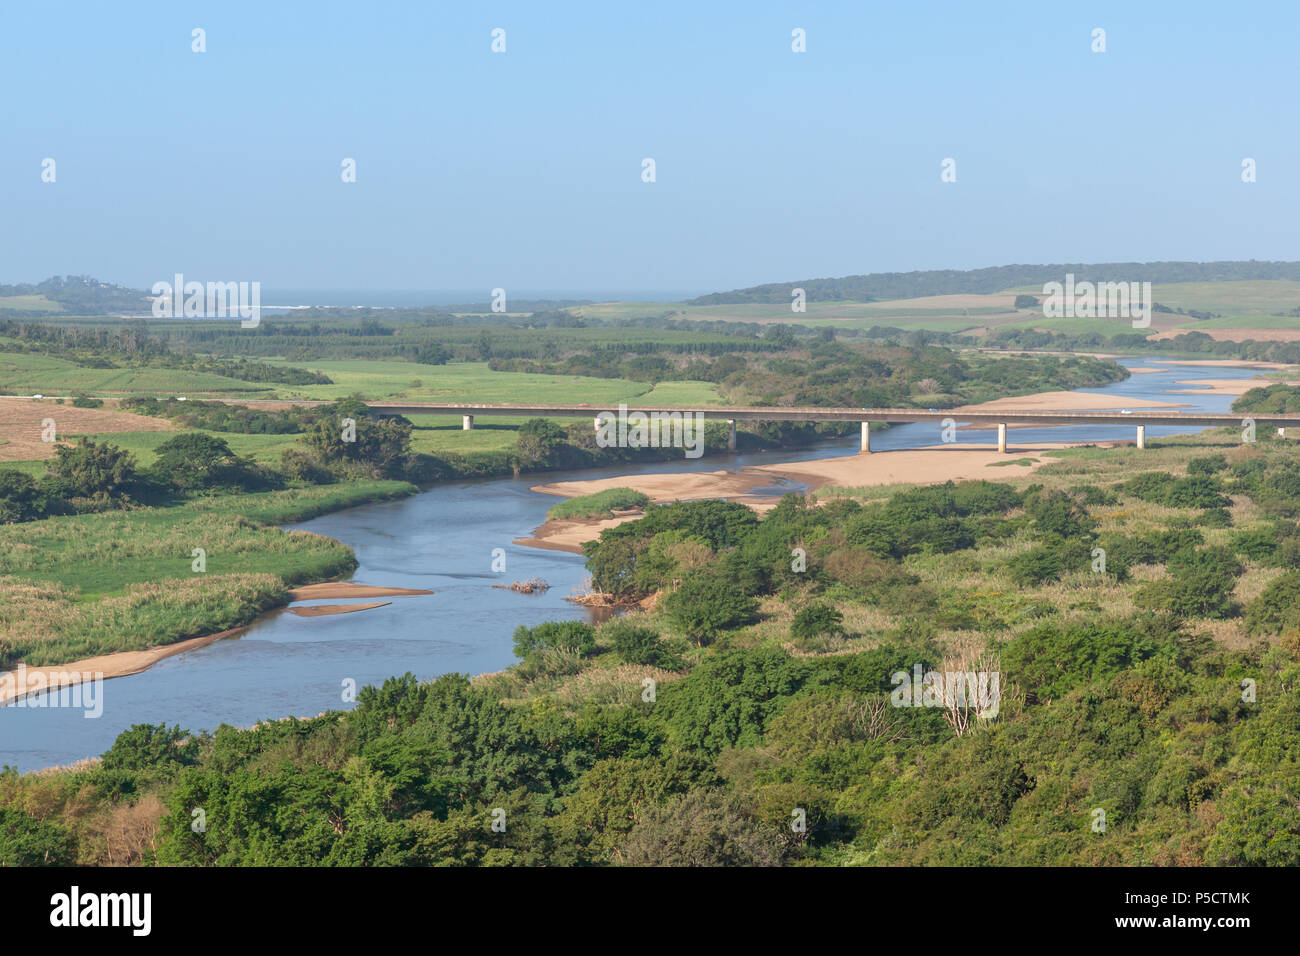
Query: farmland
27, 373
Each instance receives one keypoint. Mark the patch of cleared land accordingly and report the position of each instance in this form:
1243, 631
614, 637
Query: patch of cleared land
21, 425
1239, 334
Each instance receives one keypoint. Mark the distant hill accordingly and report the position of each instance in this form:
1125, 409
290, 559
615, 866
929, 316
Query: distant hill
79, 295
913, 285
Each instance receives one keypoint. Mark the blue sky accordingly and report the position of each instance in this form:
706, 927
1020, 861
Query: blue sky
523, 169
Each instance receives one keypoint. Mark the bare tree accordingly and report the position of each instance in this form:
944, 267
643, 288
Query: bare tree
973, 690
875, 718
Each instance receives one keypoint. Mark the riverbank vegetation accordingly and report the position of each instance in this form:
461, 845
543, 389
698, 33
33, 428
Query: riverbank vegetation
1145, 640
600, 505
126, 579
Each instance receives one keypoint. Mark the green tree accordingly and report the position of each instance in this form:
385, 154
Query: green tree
704, 605
146, 747
26, 841
348, 435
95, 470
21, 498
538, 440
196, 460
432, 354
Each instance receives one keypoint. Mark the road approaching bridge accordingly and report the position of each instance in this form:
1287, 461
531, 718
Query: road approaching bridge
732, 414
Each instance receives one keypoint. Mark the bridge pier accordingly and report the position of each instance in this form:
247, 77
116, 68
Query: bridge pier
467, 423
731, 434
866, 438
1142, 436
1002, 438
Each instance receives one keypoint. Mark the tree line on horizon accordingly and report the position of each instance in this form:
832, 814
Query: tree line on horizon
912, 285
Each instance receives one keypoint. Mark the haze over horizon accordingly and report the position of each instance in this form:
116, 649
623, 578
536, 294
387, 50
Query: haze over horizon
523, 169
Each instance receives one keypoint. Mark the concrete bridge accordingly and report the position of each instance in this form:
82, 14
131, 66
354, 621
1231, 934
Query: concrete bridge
1139, 418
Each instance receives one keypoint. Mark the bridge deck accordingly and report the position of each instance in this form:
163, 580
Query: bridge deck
812, 414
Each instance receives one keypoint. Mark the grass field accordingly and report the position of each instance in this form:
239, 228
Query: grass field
1261, 297
90, 584
1244, 302
433, 434
1106, 327
23, 373
28, 303
903, 313
474, 381
262, 448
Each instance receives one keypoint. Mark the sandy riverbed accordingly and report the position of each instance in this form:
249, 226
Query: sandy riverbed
922, 466
103, 666
1227, 386
347, 589
1063, 402
1223, 363
323, 610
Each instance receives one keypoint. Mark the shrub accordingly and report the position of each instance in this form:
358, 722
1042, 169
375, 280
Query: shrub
701, 828
816, 620
1148, 486
1052, 659
1192, 491
1203, 592
638, 644
1197, 491
1217, 562
572, 636
1057, 514
1215, 518
1208, 465
303, 466
1093, 495
1277, 607
602, 503
1053, 558
1035, 566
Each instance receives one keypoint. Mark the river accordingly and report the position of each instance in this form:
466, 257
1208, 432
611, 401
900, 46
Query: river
442, 539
